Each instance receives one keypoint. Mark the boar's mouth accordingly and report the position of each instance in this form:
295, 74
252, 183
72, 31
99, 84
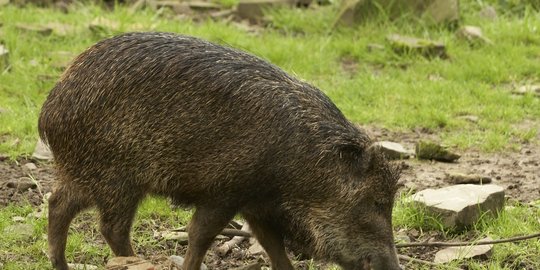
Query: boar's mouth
379, 263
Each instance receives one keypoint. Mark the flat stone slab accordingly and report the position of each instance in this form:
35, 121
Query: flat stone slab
461, 205
406, 45
129, 263
394, 150
453, 253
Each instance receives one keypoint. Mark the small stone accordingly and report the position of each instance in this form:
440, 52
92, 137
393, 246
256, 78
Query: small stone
460, 178
178, 261
256, 249
30, 166
461, 205
203, 6
179, 8
394, 150
427, 48
22, 184
433, 11
222, 14
102, 25
530, 88
253, 266
81, 266
60, 29
19, 230
42, 151
43, 30
472, 34
475, 252
4, 58
180, 237
253, 9
17, 219
402, 237
489, 13
128, 263
433, 151
470, 118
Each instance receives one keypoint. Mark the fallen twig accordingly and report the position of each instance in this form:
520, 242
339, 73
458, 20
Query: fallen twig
459, 244
411, 259
235, 232
235, 241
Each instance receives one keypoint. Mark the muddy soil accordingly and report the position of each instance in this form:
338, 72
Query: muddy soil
518, 172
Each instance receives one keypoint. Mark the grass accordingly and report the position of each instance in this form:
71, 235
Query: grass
381, 88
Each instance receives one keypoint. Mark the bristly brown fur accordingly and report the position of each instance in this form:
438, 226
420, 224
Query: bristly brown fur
220, 130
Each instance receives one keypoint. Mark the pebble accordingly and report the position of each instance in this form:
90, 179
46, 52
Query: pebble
22, 184
178, 261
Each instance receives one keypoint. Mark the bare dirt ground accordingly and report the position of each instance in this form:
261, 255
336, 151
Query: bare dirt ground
518, 172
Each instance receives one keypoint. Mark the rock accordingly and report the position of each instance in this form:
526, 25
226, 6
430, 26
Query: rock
461, 205
180, 237
22, 184
43, 30
470, 118
433, 151
394, 150
472, 34
489, 13
30, 166
256, 248
60, 29
178, 261
442, 11
42, 151
4, 58
17, 219
203, 6
475, 252
434, 11
102, 25
529, 88
253, 266
128, 263
253, 9
402, 237
460, 178
427, 48
222, 14
81, 266
19, 230
3, 3
179, 8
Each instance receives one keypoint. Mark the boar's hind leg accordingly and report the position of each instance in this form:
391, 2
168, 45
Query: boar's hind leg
206, 223
272, 242
64, 204
116, 219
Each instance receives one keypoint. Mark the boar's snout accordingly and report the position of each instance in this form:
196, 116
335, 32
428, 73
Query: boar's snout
382, 263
